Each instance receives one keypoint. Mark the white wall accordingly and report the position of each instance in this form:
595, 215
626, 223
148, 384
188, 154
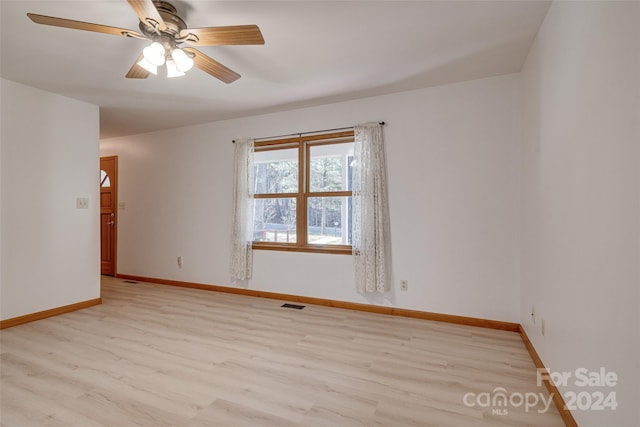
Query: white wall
453, 180
50, 249
581, 202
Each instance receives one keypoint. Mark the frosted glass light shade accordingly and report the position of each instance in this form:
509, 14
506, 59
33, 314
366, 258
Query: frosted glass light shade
154, 53
183, 61
153, 69
172, 71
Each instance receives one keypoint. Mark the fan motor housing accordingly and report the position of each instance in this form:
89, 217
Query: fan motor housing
174, 23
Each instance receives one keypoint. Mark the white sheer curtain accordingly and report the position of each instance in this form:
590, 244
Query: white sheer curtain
242, 215
370, 238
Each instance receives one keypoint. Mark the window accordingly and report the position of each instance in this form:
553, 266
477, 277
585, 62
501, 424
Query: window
105, 181
302, 193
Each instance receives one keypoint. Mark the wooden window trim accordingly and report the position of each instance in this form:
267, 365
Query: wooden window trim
307, 138
290, 247
303, 144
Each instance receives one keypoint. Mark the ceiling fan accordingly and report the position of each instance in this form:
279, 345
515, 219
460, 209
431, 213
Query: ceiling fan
160, 23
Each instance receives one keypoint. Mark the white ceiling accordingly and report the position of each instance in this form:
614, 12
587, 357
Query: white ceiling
316, 52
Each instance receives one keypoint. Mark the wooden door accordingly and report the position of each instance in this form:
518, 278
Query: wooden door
108, 214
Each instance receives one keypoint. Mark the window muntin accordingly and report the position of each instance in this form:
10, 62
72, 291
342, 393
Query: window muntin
303, 193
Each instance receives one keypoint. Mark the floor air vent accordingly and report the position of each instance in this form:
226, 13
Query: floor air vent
296, 306
130, 281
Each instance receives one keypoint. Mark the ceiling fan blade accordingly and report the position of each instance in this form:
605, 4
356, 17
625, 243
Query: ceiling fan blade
220, 36
145, 9
212, 67
85, 26
136, 71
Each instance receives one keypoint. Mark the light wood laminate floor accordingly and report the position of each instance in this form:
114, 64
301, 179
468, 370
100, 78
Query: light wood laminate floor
155, 355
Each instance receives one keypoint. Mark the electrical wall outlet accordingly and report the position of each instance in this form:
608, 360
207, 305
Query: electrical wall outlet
404, 285
179, 262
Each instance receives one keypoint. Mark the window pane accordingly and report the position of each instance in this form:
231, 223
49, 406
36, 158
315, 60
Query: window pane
330, 167
276, 171
329, 221
104, 179
274, 220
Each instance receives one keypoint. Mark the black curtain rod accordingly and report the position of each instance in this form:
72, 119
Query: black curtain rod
306, 133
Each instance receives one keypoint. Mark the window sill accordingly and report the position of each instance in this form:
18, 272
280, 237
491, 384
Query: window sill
322, 249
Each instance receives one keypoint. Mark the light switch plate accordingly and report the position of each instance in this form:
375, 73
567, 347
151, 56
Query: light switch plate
82, 203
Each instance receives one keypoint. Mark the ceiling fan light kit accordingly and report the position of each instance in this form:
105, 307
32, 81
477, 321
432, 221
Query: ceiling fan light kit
156, 55
160, 23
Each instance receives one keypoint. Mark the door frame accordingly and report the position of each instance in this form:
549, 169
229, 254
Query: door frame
114, 189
